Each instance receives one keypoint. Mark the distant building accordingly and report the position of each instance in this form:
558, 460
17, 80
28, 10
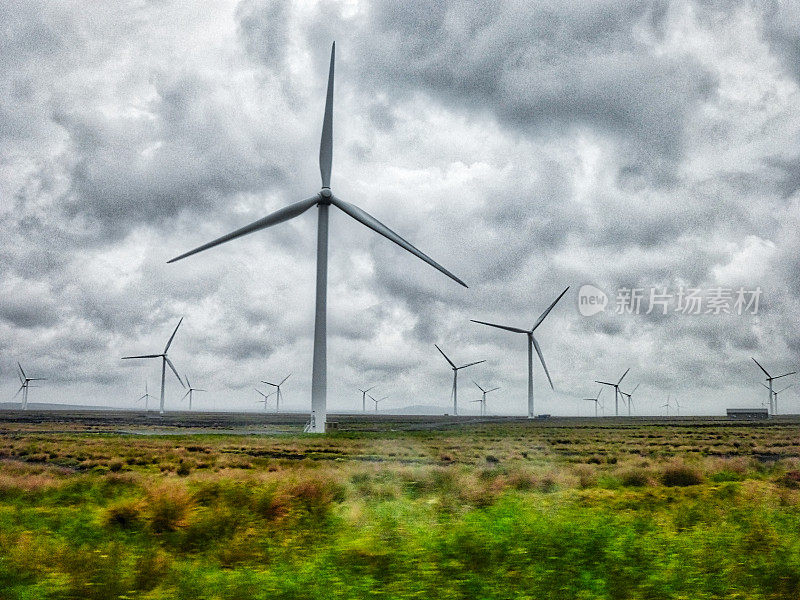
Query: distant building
748, 414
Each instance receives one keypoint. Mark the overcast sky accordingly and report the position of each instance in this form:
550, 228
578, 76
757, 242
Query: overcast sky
524, 146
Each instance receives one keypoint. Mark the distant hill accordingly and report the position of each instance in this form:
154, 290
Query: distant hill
46, 406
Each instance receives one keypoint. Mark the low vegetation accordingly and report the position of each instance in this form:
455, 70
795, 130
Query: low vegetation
505, 510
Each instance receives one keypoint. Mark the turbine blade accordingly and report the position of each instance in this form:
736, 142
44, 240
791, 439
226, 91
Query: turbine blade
21, 371
368, 389
279, 216
184, 396
174, 370
143, 356
477, 362
37, 379
549, 308
285, 378
541, 359
605, 383
492, 390
22, 387
172, 337
189, 383
506, 327
373, 223
765, 385
445, 356
784, 375
623, 376
260, 392
634, 389
326, 143
272, 384
784, 389
199, 390
760, 367
479, 387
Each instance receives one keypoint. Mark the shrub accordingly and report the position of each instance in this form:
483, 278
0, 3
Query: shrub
635, 478
679, 474
125, 514
167, 507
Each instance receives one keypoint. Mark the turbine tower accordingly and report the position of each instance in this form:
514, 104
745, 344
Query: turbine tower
164, 362
26, 384
772, 408
323, 201
190, 391
596, 400
532, 343
364, 397
775, 394
456, 369
146, 397
277, 387
377, 400
629, 398
483, 398
616, 391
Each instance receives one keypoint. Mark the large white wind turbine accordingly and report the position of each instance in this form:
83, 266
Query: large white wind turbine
322, 200
146, 397
279, 394
25, 382
596, 400
377, 400
770, 379
532, 343
456, 369
629, 398
616, 391
364, 397
775, 394
190, 391
164, 362
483, 398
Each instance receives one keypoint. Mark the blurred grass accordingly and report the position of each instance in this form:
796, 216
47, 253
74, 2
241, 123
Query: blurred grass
427, 516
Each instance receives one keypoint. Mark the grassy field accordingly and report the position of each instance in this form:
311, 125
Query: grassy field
397, 508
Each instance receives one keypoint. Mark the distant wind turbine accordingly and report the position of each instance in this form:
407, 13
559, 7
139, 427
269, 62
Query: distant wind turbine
323, 200
377, 400
190, 391
364, 397
26, 384
455, 377
264, 398
279, 395
483, 398
164, 362
629, 398
532, 343
596, 400
146, 397
616, 391
775, 394
772, 408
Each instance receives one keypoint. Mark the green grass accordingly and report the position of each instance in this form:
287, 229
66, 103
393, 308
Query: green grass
564, 514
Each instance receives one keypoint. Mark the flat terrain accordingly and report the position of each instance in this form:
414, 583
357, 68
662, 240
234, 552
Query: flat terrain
208, 505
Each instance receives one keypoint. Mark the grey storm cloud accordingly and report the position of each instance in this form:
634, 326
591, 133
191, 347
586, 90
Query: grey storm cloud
524, 146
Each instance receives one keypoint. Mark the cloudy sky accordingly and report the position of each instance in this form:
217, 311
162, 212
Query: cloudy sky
525, 146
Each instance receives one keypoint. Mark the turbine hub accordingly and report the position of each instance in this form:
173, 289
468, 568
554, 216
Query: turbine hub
326, 193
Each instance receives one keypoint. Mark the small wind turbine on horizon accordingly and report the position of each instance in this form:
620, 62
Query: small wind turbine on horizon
456, 369
775, 394
773, 410
596, 400
190, 391
146, 397
26, 384
323, 201
364, 397
629, 398
164, 362
279, 394
616, 391
532, 343
483, 398
264, 398
377, 400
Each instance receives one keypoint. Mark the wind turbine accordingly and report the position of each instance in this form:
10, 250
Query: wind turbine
483, 398
596, 400
376, 401
277, 387
189, 392
364, 397
455, 377
666, 405
616, 391
323, 200
146, 397
772, 408
629, 397
264, 398
164, 362
532, 343
775, 394
26, 384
